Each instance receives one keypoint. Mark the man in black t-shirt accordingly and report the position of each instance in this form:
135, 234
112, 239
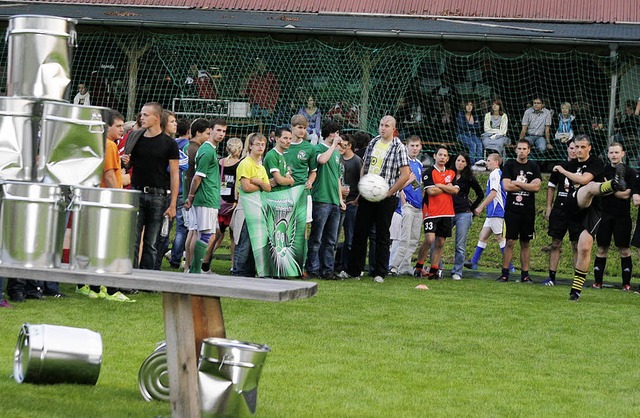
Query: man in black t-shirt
557, 216
582, 204
616, 221
521, 179
149, 150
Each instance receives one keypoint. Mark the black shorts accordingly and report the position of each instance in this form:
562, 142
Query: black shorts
440, 226
558, 223
520, 225
620, 228
587, 219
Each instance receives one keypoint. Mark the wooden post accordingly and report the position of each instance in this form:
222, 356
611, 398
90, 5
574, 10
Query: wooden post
207, 319
181, 360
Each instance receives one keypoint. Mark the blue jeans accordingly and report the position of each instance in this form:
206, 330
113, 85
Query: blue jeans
152, 206
177, 248
462, 222
322, 239
348, 225
243, 262
538, 142
474, 144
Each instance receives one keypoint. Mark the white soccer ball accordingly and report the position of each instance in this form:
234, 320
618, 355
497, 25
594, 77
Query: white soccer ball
373, 187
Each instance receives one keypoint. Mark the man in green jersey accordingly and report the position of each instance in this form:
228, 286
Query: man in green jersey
327, 202
301, 157
275, 163
204, 192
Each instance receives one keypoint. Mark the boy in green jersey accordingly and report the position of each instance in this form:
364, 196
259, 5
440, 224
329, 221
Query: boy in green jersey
327, 202
275, 162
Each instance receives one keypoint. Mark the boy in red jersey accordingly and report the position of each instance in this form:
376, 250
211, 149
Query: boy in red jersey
438, 207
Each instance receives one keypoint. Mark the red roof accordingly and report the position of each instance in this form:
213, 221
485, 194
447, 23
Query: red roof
610, 11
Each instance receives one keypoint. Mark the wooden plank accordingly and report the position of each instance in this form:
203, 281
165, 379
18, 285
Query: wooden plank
207, 319
165, 281
181, 356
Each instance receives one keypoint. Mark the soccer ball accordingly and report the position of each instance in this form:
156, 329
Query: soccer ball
373, 187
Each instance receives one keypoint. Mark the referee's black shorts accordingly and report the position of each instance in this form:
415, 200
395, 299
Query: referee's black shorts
587, 219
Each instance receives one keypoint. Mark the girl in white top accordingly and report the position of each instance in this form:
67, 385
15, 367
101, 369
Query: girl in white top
496, 124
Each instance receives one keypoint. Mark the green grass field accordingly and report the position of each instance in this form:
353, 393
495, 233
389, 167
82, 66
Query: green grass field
358, 348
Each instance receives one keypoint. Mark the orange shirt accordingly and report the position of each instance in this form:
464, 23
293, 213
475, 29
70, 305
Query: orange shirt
112, 162
440, 205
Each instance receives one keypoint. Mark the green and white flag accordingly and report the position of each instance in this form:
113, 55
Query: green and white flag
276, 222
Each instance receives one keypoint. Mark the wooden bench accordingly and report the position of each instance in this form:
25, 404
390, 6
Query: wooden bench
192, 311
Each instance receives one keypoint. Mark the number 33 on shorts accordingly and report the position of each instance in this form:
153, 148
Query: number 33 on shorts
429, 225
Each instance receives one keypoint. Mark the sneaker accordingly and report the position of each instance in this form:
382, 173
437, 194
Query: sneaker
626, 287
471, 265
549, 282
84, 290
439, 274
527, 280
17, 297
33, 295
481, 163
118, 297
574, 296
419, 273
596, 285
393, 272
512, 269
167, 255
456, 277
618, 182
502, 279
378, 279
344, 275
55, 295
99, 295
5, 304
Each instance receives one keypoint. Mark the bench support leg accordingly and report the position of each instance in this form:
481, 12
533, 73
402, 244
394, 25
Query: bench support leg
207, 319
181, 359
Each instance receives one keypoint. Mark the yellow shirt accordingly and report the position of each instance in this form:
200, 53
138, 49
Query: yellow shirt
377, 157
249, 169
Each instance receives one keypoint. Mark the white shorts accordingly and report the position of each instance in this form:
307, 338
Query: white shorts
309, 209
496, 225
206, 219
188, 219
395, 230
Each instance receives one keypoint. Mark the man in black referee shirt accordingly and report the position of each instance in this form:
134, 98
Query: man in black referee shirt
582, 204
616, 221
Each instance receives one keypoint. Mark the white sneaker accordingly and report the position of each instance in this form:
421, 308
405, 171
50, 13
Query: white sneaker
481, 163
456, 277
344, 275
378, 279
167, 255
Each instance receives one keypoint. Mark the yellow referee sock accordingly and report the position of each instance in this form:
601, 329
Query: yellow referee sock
606, 187
579, 277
